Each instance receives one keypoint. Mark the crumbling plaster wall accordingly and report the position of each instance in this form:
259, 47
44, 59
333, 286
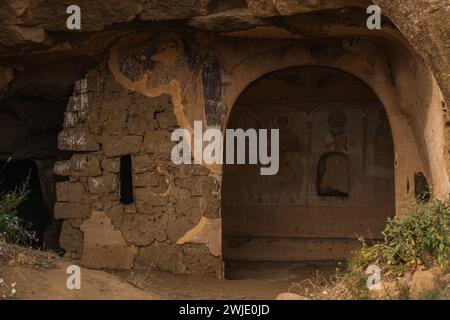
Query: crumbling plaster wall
415, 114
294, 215
377, 63
155, 83
29, 37
103, 122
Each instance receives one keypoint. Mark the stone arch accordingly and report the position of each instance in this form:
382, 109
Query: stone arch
386, 66
405, 143
318, 138
383, 60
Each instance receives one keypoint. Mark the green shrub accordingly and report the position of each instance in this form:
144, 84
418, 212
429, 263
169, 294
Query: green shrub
12, 226
422, 237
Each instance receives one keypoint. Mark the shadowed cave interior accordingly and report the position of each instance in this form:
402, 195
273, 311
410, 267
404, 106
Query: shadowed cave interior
335, 181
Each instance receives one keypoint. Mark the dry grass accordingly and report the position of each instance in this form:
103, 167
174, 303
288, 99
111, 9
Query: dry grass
13, 255
322, 288
137, 279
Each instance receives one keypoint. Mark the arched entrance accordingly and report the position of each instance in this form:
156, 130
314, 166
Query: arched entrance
336, 176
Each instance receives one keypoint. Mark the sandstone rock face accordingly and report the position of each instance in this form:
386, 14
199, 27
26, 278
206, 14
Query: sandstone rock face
32, 105
426, 24
292, 7
233, 20
26, 26
146, 88
114, 88
423, 282
262, 8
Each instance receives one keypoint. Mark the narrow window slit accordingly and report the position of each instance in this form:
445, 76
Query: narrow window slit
126, 180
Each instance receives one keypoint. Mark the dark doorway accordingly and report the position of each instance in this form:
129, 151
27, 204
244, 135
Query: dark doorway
335, 180
33, 210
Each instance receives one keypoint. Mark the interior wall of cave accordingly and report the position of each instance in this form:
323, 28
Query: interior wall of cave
150, 84
32, 109
336, 176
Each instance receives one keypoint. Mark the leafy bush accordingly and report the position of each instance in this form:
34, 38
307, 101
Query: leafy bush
422, 237
12, 226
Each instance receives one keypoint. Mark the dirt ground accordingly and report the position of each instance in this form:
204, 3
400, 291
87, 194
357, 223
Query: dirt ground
50, 284
249, 281
257, 281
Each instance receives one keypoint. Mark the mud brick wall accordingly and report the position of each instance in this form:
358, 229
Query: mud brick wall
149, 84
173, 222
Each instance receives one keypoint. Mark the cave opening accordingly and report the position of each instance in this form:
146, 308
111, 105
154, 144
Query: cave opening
33, 211
335, 182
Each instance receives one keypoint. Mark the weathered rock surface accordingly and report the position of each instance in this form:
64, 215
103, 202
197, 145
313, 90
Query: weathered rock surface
79, 165
426, 25
116, 146
69, 210
128, 100
71, 239
70, 192
105, 247
423, 282
208, 231
26, 27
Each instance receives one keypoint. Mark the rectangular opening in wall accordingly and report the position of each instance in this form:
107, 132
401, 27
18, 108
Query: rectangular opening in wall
126, 180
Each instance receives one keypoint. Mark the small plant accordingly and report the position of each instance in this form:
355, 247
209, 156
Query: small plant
419, 239
422, 237
11, 225
138, 280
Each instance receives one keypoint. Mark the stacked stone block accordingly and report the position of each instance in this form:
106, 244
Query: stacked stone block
103, 122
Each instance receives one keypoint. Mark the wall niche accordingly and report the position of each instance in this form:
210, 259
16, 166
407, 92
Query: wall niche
333, 175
